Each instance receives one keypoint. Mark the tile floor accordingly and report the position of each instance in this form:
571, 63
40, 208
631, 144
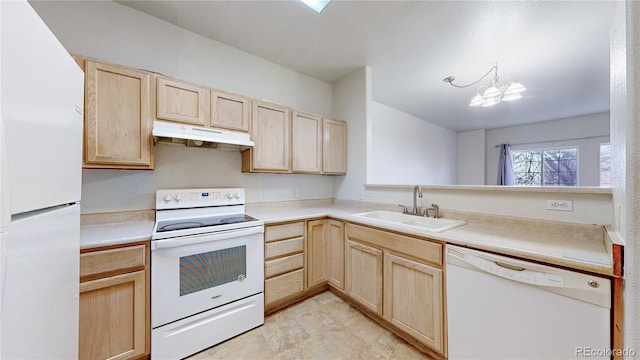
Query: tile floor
322, 327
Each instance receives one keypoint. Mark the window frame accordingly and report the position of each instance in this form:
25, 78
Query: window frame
600, 165
542, 150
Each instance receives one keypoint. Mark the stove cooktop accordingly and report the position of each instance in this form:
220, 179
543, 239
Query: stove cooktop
173, 225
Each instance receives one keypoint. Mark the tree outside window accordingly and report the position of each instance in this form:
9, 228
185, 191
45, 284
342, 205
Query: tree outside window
546, 167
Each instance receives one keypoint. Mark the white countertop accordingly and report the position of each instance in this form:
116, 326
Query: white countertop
114, 234
558, 249
588, 255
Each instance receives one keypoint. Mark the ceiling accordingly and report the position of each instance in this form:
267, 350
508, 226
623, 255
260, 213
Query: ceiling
558, 49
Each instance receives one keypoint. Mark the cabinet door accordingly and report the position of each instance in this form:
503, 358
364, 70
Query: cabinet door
306, 143
413, 299
271, 132
112, 317
117, 117
364, 275
334, 147
316, 252
335, 253
181, 102
229, 111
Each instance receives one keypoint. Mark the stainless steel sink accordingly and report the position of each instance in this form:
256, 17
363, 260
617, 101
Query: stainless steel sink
424, 223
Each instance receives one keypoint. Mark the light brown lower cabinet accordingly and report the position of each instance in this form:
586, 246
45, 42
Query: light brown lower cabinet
284, 263
112, 321
413, 299
114, 311
400, 279
335, 253
284, 285
316, 252
364, 275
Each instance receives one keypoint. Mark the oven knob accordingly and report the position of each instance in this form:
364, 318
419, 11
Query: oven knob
178, 197
229, 196
167, 198
237, 195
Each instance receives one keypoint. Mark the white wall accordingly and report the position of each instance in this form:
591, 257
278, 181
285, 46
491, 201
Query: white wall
350, 103
588, 208
471, 158
594, 128
625, 140
115, 33
409, 150
135, 189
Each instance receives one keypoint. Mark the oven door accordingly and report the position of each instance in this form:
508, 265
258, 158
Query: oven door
191, 274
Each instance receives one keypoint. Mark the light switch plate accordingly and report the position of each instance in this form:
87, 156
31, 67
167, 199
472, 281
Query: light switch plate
560, 205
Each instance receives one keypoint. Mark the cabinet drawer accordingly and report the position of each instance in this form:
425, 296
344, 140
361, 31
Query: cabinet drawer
418, 248
282, 286
283, 247
107, 261
282, 265
277, 232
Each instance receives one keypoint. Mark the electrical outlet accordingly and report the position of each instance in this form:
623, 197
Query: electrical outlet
369, 194
294, 193
560, 205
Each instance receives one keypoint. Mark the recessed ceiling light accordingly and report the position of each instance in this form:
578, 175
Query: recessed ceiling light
316, 5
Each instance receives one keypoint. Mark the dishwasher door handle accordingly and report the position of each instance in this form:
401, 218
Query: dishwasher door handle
510, 267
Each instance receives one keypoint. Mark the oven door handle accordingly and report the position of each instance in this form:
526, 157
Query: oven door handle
203, 238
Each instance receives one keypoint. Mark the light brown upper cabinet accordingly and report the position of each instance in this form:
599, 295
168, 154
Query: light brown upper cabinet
270, 130
229, 111
182, 102
334, 147
306, 143
118, 117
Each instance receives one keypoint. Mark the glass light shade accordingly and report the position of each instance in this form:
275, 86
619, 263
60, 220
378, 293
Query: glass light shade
511, 97
515, 88
491, 101
477, 100
492, 92
316, 5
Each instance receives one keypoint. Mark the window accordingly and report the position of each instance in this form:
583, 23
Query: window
605, 164
546, 167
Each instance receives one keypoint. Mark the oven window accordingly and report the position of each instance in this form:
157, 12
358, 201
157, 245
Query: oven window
206, 270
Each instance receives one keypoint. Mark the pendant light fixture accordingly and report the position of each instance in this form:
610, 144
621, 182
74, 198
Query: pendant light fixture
496, 91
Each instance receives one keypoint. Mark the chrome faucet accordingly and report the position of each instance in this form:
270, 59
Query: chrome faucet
436, 211
417, 190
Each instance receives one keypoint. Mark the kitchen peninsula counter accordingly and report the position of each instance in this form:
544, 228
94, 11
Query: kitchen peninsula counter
576, 246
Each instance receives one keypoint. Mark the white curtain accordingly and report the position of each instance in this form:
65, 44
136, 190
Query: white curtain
505, 166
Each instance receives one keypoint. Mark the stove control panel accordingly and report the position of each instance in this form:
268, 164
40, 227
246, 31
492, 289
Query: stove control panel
188, 198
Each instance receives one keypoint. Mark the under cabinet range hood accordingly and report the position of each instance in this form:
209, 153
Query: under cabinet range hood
199, 134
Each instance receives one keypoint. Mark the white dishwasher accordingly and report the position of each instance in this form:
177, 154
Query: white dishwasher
503, 308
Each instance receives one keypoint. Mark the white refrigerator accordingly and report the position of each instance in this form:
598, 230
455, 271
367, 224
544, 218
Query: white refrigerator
41, 102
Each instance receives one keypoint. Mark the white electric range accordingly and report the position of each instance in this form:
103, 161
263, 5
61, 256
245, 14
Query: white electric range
207, 270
